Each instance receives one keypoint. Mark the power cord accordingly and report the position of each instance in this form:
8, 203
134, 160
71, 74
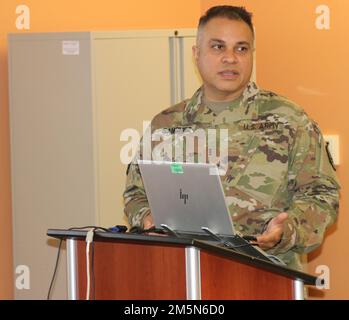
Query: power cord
90, 227
89, 240
115, 229
55, 271
93, 270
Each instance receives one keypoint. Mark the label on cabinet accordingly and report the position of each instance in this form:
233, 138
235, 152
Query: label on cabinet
71, 48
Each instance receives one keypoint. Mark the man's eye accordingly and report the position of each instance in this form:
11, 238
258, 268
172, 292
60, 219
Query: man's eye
217, 46
242, 49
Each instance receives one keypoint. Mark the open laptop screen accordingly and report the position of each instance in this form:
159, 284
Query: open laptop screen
186, 196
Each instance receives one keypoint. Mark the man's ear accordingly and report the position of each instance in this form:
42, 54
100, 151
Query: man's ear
195, 52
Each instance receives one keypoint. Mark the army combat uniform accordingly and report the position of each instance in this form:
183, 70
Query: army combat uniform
276, 161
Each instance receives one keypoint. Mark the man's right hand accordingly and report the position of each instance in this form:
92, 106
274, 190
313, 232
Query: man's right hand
148, 222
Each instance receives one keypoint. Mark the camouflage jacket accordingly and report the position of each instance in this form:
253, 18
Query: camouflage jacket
276, 161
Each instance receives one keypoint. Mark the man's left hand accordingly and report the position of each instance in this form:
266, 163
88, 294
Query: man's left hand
273, 233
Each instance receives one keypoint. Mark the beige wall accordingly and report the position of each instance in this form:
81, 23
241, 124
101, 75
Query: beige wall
294, 59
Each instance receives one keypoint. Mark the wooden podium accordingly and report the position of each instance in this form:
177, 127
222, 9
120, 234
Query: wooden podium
131, 266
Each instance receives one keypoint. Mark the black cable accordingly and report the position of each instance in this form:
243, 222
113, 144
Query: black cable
54, 273
93, 270
95, 228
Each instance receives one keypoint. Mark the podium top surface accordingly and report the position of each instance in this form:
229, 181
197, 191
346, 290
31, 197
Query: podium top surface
205, 244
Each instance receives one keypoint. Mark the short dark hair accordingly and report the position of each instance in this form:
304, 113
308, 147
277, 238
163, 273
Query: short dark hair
229, 12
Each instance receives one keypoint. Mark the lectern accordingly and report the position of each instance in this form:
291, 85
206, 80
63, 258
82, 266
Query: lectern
131, 266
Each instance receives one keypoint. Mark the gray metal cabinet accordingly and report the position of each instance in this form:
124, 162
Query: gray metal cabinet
71, 96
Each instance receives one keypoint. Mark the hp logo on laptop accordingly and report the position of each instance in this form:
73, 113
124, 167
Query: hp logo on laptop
183, 196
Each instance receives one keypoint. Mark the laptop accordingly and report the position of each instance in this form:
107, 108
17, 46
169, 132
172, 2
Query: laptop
188, 200
186, 196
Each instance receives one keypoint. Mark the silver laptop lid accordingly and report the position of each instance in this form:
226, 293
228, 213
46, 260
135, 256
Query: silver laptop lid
186, 196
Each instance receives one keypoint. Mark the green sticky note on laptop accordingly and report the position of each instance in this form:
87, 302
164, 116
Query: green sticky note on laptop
176, 168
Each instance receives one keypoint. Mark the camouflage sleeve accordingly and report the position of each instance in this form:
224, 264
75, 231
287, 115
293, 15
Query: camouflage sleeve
135, 199
136, 206
314, 188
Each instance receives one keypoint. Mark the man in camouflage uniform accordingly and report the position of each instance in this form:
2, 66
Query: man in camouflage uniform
279, 184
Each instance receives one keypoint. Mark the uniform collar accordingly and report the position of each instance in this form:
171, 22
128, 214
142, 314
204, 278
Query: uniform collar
249, 108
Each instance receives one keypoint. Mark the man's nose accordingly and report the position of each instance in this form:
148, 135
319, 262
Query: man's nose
229, 57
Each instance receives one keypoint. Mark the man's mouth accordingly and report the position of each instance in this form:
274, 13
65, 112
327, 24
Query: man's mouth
229, 74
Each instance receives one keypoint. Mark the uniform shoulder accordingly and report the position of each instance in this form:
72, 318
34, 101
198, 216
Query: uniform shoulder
270, 102
169, 117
